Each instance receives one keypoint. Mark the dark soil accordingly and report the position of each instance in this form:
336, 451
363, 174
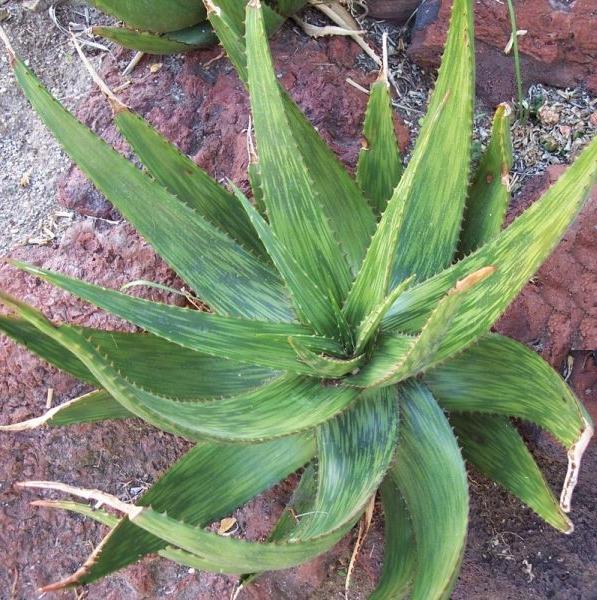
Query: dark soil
511, 554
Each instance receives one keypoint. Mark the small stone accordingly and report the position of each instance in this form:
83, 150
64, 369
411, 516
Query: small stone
155, 67
548, 115
593, 119
549, 143
25, 180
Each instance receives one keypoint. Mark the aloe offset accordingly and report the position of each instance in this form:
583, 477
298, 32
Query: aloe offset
349, 332
174, 26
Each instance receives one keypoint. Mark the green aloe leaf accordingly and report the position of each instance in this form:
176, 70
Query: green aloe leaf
154, 15
419, 228
369, 327
355, 448
175, 42
253, 342
379, 167
185, 180
493, 445
391, 364
92, 407
344, 205
434, 201
142, 356
232, 555
399, 558
489, 194
226, 276
501, 376
282, 407
325, 366
311, 303
208, 483
292, 200
516, 254
430, 474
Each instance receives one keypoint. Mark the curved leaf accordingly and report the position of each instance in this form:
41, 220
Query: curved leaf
501, 376
354, 452
325, 366
92, 407
399, 558
494, 446
286, 405
430, 474
105, 518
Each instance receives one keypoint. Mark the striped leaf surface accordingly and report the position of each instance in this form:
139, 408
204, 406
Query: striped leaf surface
254, 342
227, 277
433, 200
355, 448
399, 558
185, 180
379, 167
493, 445
142, 356
503, 377
419, 228
312, 304
430, 474
516, 254
345, 208
489, 193
253, 416
292, 200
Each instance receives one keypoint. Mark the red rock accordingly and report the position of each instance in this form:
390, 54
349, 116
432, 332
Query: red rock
556, 312
392, 10
559, 48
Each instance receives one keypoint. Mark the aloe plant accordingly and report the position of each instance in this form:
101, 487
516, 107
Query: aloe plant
174, 26
348, 332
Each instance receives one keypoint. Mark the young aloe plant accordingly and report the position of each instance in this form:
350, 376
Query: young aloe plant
174, 26
349, 332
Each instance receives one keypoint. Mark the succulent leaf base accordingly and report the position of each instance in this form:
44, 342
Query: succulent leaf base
348, 335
